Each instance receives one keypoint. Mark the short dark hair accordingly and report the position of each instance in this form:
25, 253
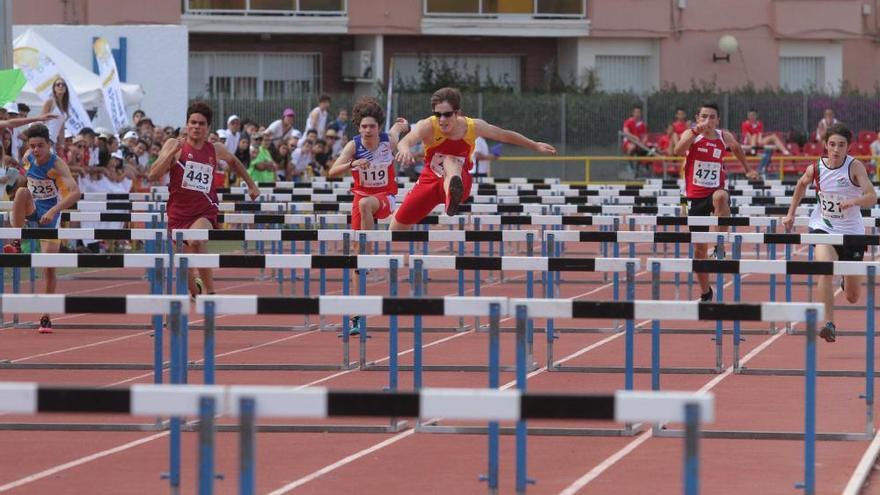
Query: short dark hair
37, 131
23, 108
200, 108
636, 106
449, 95
367, 106
312, 131
144, 142
710, 104
838, 129
324, 97
751, 110
138, 111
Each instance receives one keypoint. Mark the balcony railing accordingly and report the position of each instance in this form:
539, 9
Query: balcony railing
565, 9
337, 8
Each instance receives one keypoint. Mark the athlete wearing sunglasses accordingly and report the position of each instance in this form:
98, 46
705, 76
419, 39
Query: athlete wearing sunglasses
449, 138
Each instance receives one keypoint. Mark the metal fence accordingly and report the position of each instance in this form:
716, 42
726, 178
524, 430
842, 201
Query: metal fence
589, 124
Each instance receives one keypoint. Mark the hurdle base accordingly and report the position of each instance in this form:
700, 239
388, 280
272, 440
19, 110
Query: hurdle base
120, 427
800, 372
468, 368
532, 430
395, 427
765, 435
190, 366
637, 369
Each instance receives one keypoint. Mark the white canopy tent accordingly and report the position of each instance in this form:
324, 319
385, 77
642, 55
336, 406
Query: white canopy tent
86, 83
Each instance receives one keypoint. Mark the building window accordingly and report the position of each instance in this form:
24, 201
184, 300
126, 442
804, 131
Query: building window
280, 7
802, 73
253, 75
492, 8
501, 71
624, 73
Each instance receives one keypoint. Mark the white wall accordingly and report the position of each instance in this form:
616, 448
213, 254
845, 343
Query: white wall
157, 58
831, 51
578, 54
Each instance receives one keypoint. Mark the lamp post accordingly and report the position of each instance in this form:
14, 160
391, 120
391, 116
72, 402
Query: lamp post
727, 44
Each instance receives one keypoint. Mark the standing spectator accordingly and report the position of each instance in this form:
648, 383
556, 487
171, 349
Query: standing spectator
318, 116
92, 158
333, 145
262, 166
481, 158
233, 133
129, 141
321, 157
145, 129
137, 116
752, 131
142, 153
243, 152
827, 121
250, 128
340, 124
282, 129
58, 105
18, 133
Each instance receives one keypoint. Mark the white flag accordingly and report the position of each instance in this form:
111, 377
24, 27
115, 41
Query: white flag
41, 72
110, 84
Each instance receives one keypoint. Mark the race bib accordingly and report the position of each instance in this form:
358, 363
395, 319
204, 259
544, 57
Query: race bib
374, 176
437, 162
707, 174
829, 205
42, 188
197, 177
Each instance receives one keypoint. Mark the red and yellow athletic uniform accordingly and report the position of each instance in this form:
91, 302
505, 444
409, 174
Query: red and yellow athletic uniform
428, 192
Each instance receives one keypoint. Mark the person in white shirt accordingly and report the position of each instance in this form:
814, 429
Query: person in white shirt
318, 116
233, 133
827, 121
481, 158
299, 161
282, 129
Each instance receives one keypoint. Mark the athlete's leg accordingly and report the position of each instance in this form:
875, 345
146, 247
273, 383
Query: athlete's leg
22, 207
368, 206
721, 205
852, 287
453, 187
50, 246
200, 247
773, 140
418, 203
701, 252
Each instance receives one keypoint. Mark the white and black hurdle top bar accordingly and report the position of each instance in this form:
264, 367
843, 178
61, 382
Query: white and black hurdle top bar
77, 260
320, 402
770, 267
66, 303
712, 237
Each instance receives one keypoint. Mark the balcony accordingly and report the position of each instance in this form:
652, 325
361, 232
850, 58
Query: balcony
519, 18
266, 16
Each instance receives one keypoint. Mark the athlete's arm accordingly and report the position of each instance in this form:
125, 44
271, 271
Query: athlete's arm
739, 154
313, 119
797, 196
69, 199
167, 157
422, 130
400, 126
686, 140
496, 133
343, 164
235, 164
869, 196
18, 122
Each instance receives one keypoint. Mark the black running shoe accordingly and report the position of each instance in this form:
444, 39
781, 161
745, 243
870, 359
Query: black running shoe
355, 328
456, 191
829, 332
707, 297
45, 324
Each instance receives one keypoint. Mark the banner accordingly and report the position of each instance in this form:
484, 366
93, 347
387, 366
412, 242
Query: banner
41, 72
110, 85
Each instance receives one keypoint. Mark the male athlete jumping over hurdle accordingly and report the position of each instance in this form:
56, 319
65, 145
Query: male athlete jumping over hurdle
192, 193
370, 159
449, 138
50, 189
843, 187
704, 146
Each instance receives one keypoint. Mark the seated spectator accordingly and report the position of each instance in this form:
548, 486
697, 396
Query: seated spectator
320, 158
142, 153
752, 131
300, 162
129, 141
282, 129
634, 132
213, 137
826, 121
262, 166
334, 148
311, 137
666, 143
679, 124
145, 129
875, 149
281, 156
340, 124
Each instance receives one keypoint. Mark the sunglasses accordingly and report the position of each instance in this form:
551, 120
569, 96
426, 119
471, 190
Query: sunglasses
448, 115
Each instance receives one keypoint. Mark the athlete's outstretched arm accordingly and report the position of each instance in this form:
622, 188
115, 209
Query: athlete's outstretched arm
496, 133
18, 122
869, 195
400, 126
223, 153
799, 190
422, 130
685, 141
344, 162
166, 157
738, 153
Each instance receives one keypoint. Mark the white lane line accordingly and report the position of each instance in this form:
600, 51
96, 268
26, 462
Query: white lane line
864, 468
79, 347
78, 462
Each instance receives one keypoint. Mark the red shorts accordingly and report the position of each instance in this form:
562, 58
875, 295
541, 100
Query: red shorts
425, 195
386, 204
185, 223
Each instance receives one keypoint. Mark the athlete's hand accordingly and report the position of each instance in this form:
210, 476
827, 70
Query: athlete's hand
752, 175
254, 191
788, 222
48, 216
402, 124
545, 148
849, 203
700, 128
172, 145
405, 158
47, 116
361, 163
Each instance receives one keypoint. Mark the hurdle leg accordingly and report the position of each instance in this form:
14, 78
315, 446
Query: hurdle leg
870, 305
737, 296
692, 449
477, 275
809, 483
417, 329
207, 410
173, 474
719, 325
362, 321
158, 337
522, 479
655, 329
771, 254
630, 326
491, 477
246, 449
346, 338
210, 326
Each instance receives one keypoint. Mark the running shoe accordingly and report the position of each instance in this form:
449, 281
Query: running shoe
355, 328
45, 324
707, 297
829, 332
456, 191
200, 288
717, 253
13, 247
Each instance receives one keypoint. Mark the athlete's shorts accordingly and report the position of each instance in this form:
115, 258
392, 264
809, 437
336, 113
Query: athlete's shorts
387, 202
40, 209
185, 223
701, 207
845, 253
424, 196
